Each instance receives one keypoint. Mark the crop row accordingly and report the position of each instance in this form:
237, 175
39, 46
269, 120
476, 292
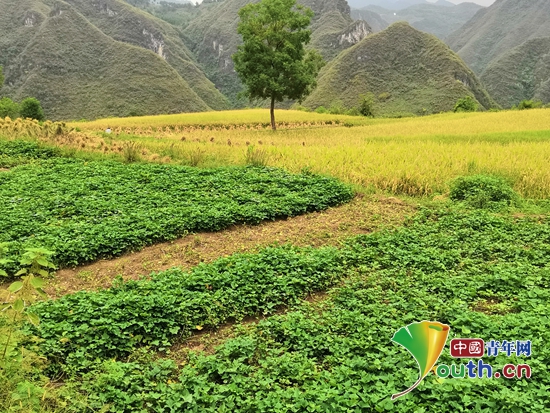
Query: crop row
486, 276
87, 210
440, 252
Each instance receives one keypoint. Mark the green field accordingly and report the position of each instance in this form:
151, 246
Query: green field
277, 328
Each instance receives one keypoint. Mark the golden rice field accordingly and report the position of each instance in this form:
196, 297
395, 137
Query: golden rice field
413, 156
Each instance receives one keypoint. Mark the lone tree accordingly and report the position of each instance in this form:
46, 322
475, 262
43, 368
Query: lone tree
272, 62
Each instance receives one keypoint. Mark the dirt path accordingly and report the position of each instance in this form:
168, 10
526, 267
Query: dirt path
362, 215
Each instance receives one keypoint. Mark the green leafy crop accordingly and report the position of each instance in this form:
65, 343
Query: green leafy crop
87, 210
453, 267
81, 327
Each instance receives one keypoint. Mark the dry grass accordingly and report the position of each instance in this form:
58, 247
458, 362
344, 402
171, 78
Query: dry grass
413, 156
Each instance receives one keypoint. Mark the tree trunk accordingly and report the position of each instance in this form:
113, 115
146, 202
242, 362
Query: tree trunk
273, 126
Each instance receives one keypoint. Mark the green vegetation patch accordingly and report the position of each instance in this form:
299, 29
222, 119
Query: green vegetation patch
14, 153
455, 268
87, 210
483, 191
79, 328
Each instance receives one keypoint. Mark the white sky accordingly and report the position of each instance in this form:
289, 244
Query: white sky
482, 2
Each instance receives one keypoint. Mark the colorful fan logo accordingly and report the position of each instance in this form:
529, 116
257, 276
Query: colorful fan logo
425, 341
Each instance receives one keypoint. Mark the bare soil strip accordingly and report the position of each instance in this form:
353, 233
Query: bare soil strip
362, 215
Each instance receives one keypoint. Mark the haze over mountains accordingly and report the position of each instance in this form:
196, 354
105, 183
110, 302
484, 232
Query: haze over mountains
97, 58
441, 18
487, 42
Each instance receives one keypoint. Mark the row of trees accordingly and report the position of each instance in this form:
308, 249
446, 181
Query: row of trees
28, 108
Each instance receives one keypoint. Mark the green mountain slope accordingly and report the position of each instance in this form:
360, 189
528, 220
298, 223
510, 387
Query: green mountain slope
130, 25
497, 29
522, 73
438, 19
213, 37
407, 71
86, 59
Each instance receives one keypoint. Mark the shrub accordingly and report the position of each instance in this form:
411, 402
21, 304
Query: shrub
8, 108
466, 104
482, 191
131, 151
384, 96
353, 112
301, 108
366, 105
256, 157
529, 104
337, 108
31, 108
321, 109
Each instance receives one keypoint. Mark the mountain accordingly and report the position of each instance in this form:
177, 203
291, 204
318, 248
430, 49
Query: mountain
99, 58
440, 19
408, 71
373, 19
213, 37
499, 28
521, 73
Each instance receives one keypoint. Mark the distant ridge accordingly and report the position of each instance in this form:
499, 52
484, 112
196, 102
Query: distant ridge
408, 71
523, 73
440, 19
499, 28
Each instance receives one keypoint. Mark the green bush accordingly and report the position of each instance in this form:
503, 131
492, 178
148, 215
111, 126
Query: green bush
483, 191
299, 107
466, 104
366, 105
353, 112
8, 108
529, 104
31, 108
337, 108
321, 109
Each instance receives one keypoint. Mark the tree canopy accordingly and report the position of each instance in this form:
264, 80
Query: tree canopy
272, 62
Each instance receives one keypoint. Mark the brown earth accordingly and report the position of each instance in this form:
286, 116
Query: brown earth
362, 215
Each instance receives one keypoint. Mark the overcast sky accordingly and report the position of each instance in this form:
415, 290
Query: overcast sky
482, 2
